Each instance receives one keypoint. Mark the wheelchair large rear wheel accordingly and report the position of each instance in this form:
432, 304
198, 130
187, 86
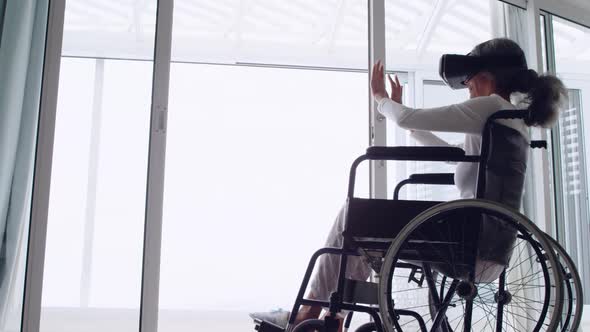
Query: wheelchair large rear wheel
458, 284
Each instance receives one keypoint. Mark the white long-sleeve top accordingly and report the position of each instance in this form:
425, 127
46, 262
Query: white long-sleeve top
468, 117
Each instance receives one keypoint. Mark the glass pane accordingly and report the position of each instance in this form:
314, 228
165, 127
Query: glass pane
434, 94
257, 165
22, 39
542, 20
572, 60
122, 29
417, 34
326, 33
93, 267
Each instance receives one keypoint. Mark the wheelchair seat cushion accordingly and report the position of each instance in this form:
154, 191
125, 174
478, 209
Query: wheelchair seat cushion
373, 224
381, 219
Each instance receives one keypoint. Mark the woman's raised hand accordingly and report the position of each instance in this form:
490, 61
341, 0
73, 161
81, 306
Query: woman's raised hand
378, 84
396, 89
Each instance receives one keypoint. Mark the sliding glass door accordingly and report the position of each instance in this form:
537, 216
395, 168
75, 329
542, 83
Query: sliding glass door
93, 265
263, 125
568, 56
417, 35
23, 29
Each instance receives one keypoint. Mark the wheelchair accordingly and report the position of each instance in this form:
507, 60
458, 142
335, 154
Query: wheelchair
463, 265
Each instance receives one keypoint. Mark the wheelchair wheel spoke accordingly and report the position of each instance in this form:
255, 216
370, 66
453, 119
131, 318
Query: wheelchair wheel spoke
528, 298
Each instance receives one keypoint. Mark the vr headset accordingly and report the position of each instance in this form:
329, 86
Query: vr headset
456, 69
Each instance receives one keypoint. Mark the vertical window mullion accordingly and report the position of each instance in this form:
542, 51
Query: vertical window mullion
377, 122
31, 315
155, 181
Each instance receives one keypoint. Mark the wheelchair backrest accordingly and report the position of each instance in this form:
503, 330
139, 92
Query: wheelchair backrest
505, 157
501, 175
504, 154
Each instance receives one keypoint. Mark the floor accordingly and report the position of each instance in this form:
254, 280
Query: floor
125, 320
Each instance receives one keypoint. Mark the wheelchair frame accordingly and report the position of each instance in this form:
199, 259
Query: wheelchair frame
339, 300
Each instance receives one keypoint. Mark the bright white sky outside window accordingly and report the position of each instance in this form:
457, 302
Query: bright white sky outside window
251, 192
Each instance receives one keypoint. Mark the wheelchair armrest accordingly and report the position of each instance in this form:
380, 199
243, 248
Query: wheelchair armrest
426, 153
425, 178
433, 178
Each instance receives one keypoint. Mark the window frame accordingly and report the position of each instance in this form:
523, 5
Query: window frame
560, 226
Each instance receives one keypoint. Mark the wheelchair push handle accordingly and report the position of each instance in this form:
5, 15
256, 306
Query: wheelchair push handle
518, 114
417, 153
539, 144
409, 153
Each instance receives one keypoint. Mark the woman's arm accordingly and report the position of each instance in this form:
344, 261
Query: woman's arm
468, 117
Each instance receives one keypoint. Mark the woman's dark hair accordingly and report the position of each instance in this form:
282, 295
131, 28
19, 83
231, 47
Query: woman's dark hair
544, 93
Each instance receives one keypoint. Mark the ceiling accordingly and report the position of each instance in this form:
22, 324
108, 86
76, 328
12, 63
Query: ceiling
327, 33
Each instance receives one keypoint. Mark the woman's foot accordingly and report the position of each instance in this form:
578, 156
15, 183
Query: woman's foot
307, 312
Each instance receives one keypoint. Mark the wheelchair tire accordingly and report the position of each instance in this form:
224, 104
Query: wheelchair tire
310, 325
573, 293
526, 294
367, 327
572, 287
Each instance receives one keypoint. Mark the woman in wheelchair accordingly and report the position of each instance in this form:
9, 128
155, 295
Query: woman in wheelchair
495, 72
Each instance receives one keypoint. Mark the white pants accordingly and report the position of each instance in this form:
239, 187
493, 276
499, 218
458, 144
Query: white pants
324, 281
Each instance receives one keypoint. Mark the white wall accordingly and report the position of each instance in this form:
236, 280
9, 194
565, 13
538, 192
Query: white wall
583, 4
575, 10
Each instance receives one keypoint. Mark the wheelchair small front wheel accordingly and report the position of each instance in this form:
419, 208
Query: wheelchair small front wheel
311, 325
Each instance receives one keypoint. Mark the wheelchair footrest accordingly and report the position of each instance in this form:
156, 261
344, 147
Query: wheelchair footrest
360, 292
262, 326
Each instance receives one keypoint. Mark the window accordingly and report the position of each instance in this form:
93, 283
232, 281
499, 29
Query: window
96, 219
571, 142
263, 126
417, 34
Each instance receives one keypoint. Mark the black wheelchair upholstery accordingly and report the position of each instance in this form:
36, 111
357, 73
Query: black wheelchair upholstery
505, 166
372, 223
504, 183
